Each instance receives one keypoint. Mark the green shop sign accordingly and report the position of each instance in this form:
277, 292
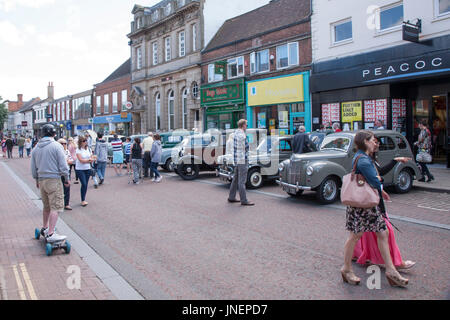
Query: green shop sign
231, 92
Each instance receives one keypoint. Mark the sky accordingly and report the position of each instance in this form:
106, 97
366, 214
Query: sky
76, 43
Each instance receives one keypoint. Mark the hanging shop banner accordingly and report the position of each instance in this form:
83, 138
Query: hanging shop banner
275, 91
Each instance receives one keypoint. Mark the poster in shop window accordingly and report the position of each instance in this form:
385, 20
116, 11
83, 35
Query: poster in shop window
399, 115
262, 120
331, 113
352, 115
373, 110
283, 118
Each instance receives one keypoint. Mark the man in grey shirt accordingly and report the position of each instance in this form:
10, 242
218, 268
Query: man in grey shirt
48, 165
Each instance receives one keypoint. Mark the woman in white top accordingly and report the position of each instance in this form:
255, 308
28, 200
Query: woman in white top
83, 167
28, 146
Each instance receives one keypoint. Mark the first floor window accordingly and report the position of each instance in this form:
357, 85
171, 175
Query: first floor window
195, 90
168, 50
171, 111
342, 31
212, 76
139, 58
287, 55
115, 102
124, 99
98, 102
391, 16
442, 7
182, 44
106, 103
235, 67
194, 37
259, 61
155, 53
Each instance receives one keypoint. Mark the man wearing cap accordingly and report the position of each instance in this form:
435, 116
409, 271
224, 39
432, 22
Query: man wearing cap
48, 165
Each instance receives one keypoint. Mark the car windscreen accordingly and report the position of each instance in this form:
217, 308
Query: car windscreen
336, 143
265, 146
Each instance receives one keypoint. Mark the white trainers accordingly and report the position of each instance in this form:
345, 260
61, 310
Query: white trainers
158, 179
55, 237
153, 179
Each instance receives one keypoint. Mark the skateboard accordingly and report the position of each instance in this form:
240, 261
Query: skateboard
49, 247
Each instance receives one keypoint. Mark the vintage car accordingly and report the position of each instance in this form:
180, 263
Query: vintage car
322, 171
264, 161
197, 153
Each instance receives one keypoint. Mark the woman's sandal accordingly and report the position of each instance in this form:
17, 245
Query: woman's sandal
84, 204
408, 264
350, 277
396, 280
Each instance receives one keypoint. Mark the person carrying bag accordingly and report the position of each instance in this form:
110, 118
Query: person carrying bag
364, 214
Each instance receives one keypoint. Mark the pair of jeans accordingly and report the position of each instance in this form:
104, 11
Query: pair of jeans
239, 181
84, 176
137, 167
70, 172
101, 167
10, 153
20, 152
154, 169
28, 152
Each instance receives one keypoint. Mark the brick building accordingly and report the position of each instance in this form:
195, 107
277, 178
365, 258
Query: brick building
110, 97
13, 115
165, 41
265, 56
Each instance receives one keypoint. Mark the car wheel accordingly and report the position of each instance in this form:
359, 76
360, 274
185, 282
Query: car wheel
189, 171
404, 182
254, 178
169, 166
328, 190
296, 194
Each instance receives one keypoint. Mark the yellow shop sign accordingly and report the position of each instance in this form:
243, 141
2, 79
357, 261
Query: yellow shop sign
352, 111
275, 91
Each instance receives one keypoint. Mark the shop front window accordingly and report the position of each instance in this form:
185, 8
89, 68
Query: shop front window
212, 121
225, 121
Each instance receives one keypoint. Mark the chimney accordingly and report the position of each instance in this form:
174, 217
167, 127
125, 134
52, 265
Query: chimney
50, 91
19, 100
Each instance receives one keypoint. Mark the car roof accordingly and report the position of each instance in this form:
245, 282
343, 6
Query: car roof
376, 132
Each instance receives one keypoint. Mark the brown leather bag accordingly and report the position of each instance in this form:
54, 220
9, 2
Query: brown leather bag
356, 192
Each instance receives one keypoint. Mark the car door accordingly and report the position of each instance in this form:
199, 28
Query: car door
387, 151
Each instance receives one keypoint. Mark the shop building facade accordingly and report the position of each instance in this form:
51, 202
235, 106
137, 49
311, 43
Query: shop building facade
272, 59
61, 111
399, 85
111, 111
165, 42
82, 112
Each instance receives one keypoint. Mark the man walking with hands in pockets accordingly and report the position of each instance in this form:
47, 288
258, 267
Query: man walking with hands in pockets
240, 158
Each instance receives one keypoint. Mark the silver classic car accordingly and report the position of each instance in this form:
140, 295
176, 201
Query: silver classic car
322, 171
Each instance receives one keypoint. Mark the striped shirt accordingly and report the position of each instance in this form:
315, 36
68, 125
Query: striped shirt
117, 145
128, 148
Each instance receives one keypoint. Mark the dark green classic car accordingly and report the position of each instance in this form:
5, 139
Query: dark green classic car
322, 171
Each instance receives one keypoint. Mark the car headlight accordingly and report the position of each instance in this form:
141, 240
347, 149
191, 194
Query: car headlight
309, 170
281, 167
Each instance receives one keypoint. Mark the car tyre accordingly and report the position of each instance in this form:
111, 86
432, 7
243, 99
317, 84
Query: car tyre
254, 178
404, 182
189, 171
169, 165
328, 190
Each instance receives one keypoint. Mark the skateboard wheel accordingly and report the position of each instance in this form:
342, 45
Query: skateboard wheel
67, 247
37, 233
48, 249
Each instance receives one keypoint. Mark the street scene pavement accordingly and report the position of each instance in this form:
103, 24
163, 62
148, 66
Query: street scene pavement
182, 240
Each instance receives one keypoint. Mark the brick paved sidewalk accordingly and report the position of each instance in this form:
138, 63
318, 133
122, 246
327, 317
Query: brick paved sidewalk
26, 273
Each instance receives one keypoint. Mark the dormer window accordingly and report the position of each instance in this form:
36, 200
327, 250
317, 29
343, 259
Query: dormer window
155, 15
168, 9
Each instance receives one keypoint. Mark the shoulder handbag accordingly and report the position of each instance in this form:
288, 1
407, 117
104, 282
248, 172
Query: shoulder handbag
424, 157
356, 192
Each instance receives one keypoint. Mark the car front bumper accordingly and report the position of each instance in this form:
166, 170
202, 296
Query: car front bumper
224, 175
292, 187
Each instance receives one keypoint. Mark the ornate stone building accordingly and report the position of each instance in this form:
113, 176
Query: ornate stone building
166, 42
